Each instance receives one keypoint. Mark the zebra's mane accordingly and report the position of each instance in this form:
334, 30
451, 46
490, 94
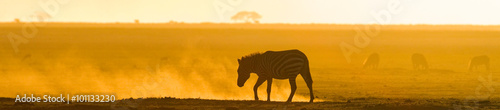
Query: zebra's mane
251, 56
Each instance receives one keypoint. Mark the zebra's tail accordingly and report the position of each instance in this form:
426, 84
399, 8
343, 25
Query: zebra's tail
470, 66
306, 73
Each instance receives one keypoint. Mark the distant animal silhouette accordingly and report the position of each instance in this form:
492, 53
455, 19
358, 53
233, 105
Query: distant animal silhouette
419, 62
478, 61
27, 56
286, 64
371, 61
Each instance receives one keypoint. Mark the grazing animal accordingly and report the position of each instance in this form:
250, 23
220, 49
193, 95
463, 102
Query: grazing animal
478, 61
286, 64
419, 62
371, 61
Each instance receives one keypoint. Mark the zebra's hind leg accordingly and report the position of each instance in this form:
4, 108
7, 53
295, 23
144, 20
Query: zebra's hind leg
293, 87
309, 85
306, 75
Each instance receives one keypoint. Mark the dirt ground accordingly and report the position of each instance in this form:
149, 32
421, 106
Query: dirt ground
201, 104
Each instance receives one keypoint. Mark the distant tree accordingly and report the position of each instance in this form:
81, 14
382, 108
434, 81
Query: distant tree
247, 17
17, 20
136, 21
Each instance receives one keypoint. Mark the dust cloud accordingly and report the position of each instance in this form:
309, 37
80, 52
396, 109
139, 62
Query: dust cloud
189, 72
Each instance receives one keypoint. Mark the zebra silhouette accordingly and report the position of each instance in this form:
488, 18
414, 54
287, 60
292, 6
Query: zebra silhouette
286, 64
419, 62
479, 60
371, 61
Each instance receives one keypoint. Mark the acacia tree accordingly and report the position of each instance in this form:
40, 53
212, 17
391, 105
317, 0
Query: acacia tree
247, 16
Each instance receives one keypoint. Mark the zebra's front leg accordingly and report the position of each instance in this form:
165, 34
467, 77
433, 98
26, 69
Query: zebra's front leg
259, 82
293, 87
269, 85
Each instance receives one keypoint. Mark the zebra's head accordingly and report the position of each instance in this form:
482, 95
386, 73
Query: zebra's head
243, 72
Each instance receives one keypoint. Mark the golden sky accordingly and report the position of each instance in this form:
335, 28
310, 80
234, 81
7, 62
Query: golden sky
273, 11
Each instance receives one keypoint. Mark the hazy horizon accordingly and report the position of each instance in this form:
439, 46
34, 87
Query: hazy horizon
280, 11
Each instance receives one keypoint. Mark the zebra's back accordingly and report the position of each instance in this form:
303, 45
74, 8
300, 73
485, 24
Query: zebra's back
282, 64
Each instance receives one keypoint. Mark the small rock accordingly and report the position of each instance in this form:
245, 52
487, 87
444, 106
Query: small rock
408, 101
484, 102
231, 108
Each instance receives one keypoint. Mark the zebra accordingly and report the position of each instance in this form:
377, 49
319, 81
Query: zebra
479, 60
419, 62
286, 64
371, 61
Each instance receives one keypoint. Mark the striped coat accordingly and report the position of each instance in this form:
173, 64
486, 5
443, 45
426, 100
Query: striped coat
275, 65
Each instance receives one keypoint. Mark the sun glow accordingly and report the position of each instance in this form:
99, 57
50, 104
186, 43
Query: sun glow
278, 11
